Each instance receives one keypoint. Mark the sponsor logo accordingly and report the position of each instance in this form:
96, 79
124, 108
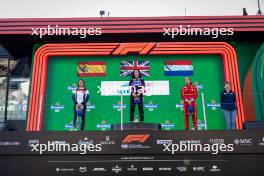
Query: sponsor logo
132, 168
72, 87
57, 107
70, 126
83, 169
243, 141
213, 105
217, 141
167, 125
191, 141
164, 142
147, 169
199, 85
198, 169
13, 143
119, 106
117, 169
99, 169
181, 168
179, 105
136, 138
262, 142
90, 106
103, 126
150, 106
215, 169
200, 124
107, 141
33, 141
85, 141
58, 142
165, 169
64, 169
135, 141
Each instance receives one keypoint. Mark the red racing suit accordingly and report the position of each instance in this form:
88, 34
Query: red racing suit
189, 92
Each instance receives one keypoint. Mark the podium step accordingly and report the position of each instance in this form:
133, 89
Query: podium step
137, 126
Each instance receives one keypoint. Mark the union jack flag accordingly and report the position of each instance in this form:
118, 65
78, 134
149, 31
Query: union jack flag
127, 67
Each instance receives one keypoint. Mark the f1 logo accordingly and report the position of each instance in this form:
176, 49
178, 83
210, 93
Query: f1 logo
136, 138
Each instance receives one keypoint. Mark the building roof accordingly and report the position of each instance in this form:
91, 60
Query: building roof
133, 24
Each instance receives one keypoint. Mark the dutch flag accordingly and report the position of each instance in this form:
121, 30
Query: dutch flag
178, 68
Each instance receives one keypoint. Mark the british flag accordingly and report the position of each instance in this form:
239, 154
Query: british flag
127, 67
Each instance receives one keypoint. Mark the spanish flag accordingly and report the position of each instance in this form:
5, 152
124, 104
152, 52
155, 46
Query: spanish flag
91, 69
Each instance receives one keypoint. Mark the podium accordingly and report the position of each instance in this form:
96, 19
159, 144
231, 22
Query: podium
136, 126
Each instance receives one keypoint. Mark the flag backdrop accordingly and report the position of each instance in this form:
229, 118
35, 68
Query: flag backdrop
91, 69
62, 79
178, 68
127, 67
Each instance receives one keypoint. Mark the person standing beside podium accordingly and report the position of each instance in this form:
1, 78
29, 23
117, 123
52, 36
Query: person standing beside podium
228, 106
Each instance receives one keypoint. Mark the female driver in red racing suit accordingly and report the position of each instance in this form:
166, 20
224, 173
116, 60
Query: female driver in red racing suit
189, 95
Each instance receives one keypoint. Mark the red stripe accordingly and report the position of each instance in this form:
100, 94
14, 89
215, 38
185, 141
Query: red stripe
91, 74
133, 24
92, 63
178, 62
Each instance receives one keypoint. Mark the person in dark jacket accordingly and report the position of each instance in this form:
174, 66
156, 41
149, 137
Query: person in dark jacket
80, 97
228, 106
137, 85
